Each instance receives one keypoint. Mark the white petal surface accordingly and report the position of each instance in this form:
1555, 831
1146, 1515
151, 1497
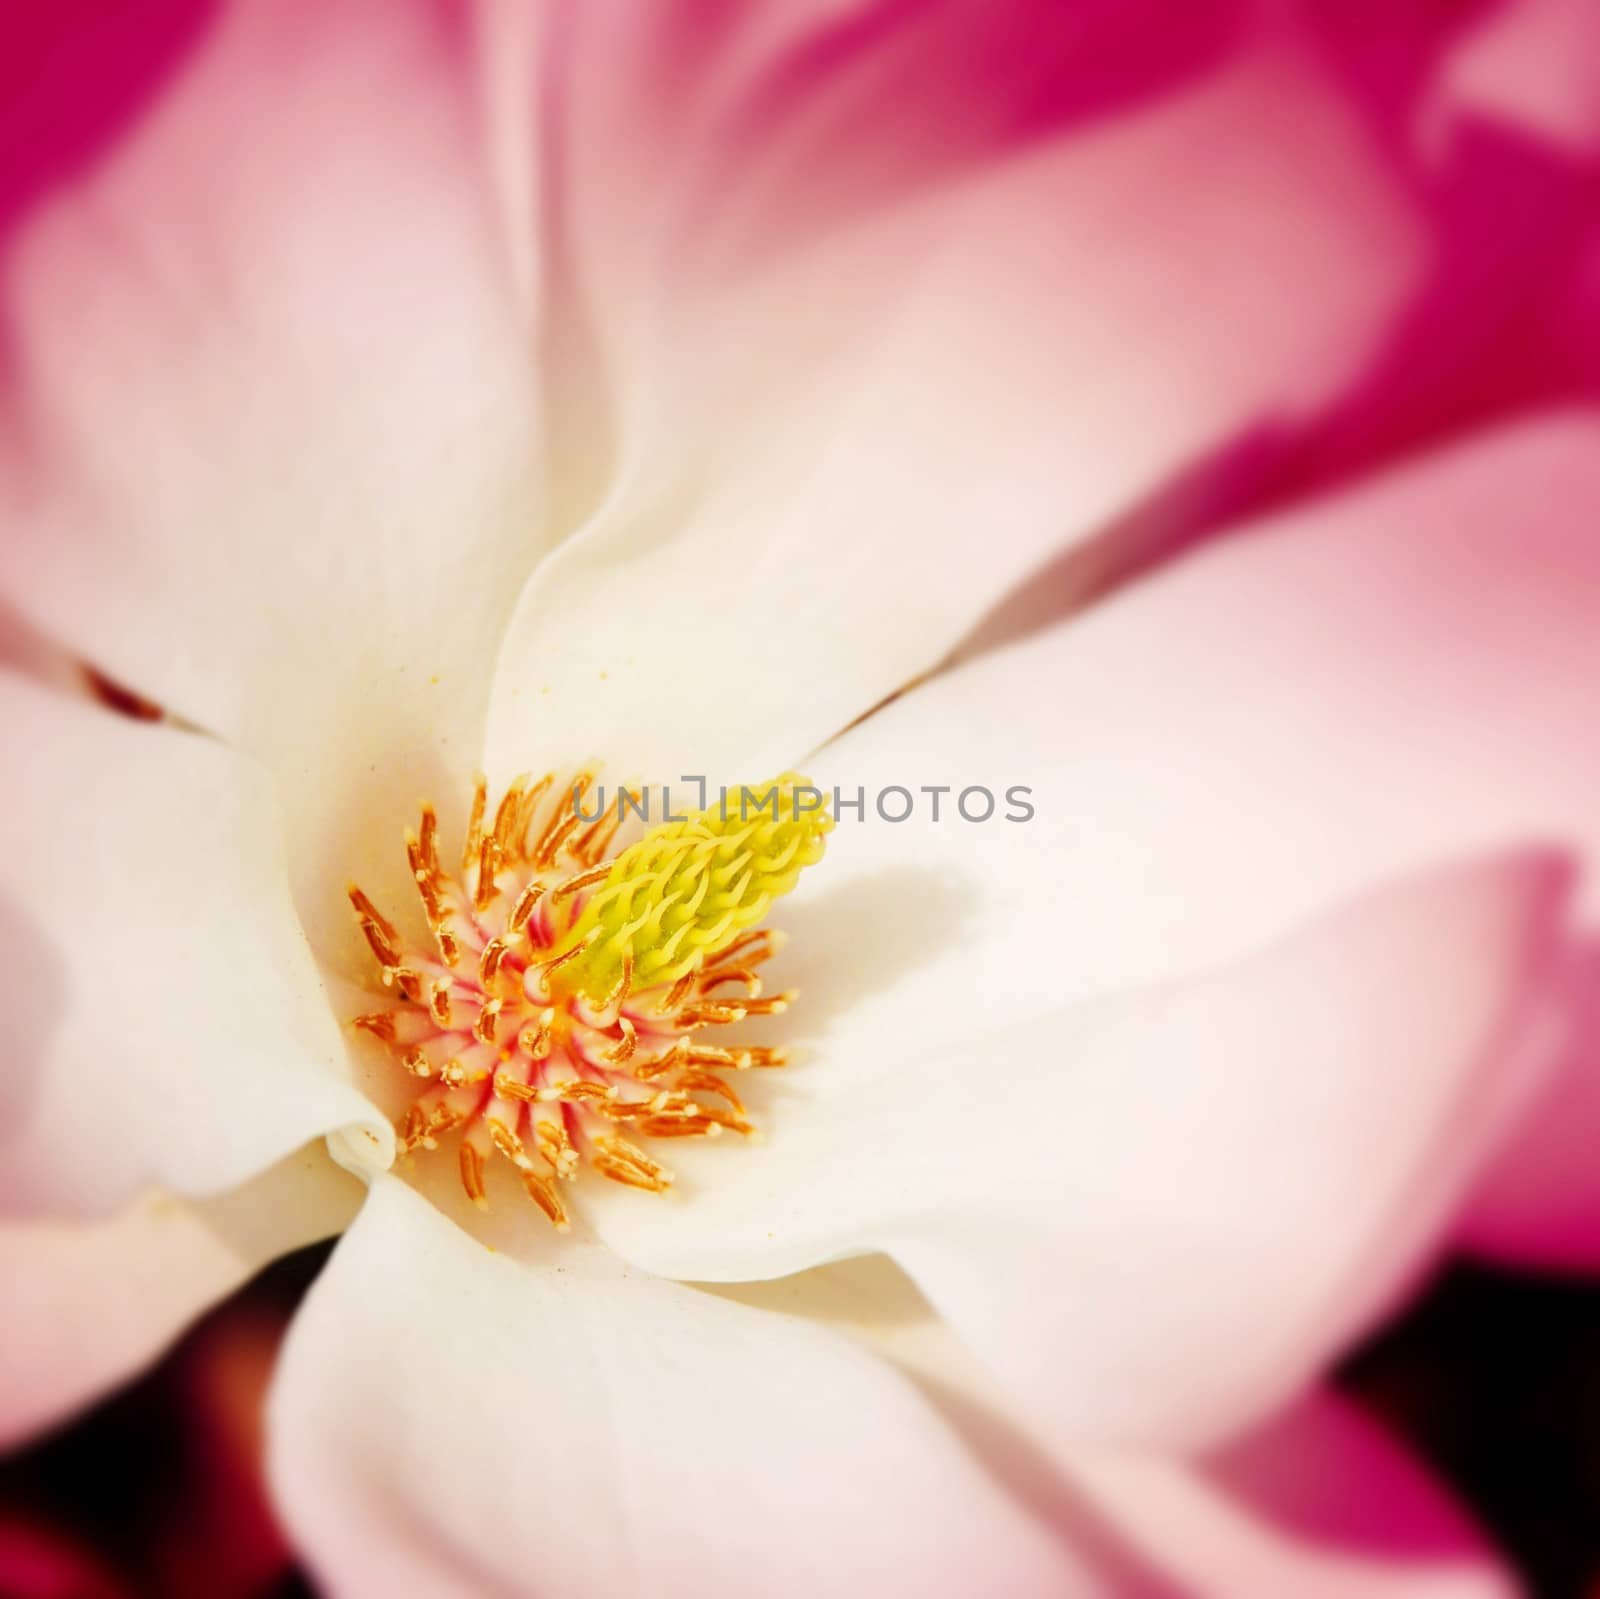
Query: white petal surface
271, 430
91, 1303
448, 1420
166, 1023
1316, 1501
1155, 1216
1342, 695
1320, 705
834, 452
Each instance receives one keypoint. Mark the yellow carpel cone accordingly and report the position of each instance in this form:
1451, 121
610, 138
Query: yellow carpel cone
689, 887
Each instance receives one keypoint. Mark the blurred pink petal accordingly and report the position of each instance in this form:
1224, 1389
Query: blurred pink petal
731, 131
1506, 314
160, 1262
1539, 1204
73, 76
1318, 1504
38, 1563
1534, 64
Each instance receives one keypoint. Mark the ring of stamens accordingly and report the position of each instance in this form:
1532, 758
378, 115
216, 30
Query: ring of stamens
524, 1020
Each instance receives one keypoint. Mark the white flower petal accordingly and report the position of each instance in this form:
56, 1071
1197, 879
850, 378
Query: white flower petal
1323, 704
272, 427
448, 1420
1316, 1501
165, 1021
90, 1303
1155, 1216
834, 456
1332, 699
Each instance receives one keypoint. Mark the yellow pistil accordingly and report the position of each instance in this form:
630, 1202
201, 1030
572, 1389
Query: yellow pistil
688, 888
557, 1017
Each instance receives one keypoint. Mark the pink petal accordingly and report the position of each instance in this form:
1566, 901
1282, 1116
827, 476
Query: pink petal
1539, 1204
90, 1303
1318, 1504
1534, 64
37, 1563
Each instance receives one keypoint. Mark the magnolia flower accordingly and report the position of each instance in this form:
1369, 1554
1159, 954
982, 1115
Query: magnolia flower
402, 391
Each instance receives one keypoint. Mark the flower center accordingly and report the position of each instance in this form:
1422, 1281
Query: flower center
560, 1015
